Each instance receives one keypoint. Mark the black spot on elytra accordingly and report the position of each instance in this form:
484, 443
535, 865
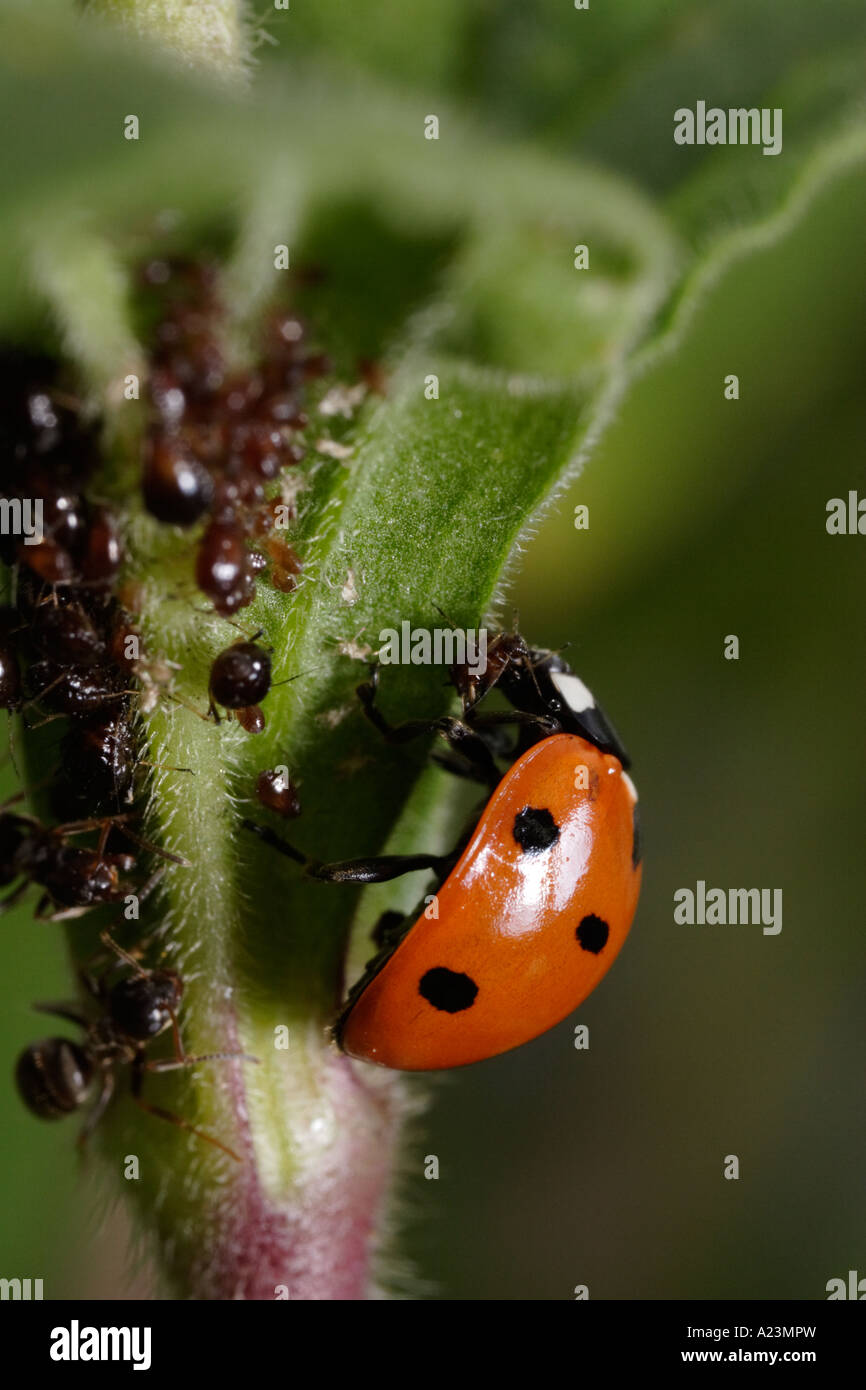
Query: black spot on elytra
592, 934
535, 830
447, 990
636, 843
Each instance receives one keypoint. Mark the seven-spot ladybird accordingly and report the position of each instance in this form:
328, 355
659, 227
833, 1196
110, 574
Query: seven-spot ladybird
532, 907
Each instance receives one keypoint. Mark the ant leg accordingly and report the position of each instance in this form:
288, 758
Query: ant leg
139, 1068
49, 719
10, 800
186, 1060
376, 869
70, 1012
179, 700
7, 903
180, 1057
108, 940
157, 849
174, 1119
98, 1109
457, 734
521, 718
106, 824
66, 914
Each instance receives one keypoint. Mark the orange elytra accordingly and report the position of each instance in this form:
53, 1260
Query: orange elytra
530, 918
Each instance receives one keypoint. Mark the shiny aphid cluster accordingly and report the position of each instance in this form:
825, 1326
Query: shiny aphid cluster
218, 438
213, 445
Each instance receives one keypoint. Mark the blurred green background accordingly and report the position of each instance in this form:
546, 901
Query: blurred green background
707, 518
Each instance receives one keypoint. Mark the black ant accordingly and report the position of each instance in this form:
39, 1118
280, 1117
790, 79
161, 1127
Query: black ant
74, 879
56, 1075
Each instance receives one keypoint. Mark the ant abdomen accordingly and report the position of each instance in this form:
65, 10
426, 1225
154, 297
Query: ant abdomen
54, 1077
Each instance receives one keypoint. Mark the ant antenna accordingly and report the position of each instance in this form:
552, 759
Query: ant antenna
449, 620
108, 940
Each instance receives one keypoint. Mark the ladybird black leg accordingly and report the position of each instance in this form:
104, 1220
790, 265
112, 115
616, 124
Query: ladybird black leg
455, 732
466, 743
544, 723
375, 869
269, 836
456, 766
392, 733
389, 922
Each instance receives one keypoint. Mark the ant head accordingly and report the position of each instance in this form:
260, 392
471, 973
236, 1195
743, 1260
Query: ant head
142, 1006
505, 650
53, 1077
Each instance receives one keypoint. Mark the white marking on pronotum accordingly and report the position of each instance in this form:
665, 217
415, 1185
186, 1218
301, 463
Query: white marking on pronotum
632, 789
573, 691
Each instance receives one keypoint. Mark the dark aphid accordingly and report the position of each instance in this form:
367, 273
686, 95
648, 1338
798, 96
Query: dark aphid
102, 553
286, 562
239, 394
50, 561
54, 1077
177, 488
98, 766
64, 516
283, 409
168, 396
67, 634
262, 448
240, 676
276, 790
222, 568
77, 691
